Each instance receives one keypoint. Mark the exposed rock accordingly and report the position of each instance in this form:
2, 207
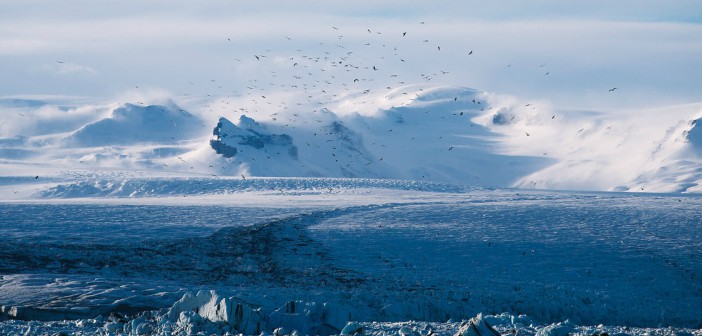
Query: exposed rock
227, 136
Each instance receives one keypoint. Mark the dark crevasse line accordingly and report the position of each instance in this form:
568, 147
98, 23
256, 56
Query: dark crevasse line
278, 253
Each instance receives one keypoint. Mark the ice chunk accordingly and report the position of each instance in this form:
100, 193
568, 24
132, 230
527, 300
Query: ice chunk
212, 307
352, 328
477, 326
557, 329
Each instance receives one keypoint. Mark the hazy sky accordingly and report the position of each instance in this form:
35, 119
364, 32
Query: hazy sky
570, 53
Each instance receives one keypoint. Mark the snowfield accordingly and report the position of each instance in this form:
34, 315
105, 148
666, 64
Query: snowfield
167, 255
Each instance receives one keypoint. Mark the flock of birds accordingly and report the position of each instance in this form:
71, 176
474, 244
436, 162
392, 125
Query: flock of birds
336, 66
342, 66
334, 70
339, 67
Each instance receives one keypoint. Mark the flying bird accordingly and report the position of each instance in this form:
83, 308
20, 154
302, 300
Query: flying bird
403, 34
612, 89
471, 52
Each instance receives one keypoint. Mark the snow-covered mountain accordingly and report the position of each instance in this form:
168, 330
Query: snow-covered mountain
425, 133
133, 124
416, 132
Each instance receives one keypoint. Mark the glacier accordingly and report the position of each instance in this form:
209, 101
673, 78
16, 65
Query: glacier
164, 255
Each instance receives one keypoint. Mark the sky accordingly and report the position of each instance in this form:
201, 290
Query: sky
569, 53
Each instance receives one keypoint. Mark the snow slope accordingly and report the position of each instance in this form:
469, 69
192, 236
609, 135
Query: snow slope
643, 150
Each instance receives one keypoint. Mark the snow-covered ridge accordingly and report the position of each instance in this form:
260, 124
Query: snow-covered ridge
424, 132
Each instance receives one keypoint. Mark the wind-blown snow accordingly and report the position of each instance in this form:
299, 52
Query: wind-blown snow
130, 124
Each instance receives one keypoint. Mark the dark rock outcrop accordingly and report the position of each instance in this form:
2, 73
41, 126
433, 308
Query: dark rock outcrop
227, 136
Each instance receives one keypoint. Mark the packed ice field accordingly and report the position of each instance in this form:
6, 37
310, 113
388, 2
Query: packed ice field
123, 254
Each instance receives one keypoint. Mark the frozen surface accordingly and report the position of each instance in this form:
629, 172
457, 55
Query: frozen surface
347, 250
101, 223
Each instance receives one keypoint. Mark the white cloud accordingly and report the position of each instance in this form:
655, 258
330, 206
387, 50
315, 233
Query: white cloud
71, 68
646, 48
65, 68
